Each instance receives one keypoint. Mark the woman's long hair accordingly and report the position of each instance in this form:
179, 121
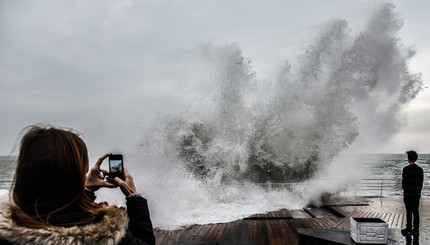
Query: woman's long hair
50, 176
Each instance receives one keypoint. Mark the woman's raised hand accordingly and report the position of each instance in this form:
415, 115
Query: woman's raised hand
96, 176
127, 185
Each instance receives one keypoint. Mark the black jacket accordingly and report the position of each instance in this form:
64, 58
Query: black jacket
116, 226
412, 180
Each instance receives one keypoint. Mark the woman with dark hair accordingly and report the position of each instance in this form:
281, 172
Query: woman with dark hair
52, 196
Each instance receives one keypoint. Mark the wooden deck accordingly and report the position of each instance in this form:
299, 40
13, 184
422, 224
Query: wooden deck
280, 227
247, 231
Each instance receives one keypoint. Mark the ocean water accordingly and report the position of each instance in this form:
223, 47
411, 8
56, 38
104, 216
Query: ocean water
7, 170
376, 175
385, 174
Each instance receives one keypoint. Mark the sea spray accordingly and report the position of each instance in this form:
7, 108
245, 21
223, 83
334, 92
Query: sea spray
214, 161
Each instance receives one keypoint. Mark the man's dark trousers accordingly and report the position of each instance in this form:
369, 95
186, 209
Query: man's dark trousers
412, 204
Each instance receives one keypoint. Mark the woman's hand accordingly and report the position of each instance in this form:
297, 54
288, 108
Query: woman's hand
127, 185
96, 176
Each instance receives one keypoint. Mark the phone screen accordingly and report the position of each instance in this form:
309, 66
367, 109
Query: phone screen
116, 166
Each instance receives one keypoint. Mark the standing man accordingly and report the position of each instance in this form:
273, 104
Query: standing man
412, 183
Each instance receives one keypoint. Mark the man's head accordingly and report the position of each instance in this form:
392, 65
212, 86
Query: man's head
412, 156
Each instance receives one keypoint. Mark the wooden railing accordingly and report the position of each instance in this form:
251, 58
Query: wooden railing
380, 185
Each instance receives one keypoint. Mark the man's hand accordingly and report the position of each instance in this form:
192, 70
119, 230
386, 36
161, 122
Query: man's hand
96, 176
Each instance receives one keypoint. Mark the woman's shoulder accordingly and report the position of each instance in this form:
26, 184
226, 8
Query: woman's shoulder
110, 230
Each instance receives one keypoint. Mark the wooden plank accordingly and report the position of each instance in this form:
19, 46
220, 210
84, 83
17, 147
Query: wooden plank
173, 237
333, 221
281, 232
394, 222
387, 217
345, 222
397, 221
209, 233
170, 239
271, 238
185, 234
390, 220
221, 229
159, 236
318, 223
245, 234
287, 214
403, 221
196, 232
299, 214
347, 201
217, 228
284, 232
272, 215
260, 232
278, 227
227, 238
216, 231
280, 214
237, 231
322, 223
384, 216
400, 221
166, 236
378, 215
199, 231
310, 223
339, 210
253, 230
244, 227
293, 237
199, 234
319, 212
326, 222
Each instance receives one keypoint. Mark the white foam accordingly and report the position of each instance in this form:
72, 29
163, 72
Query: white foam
4, 195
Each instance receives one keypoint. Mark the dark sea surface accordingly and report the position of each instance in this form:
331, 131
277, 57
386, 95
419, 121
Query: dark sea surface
386, 174
7, 170
385, 169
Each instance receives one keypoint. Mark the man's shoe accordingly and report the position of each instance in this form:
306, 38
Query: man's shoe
406, 232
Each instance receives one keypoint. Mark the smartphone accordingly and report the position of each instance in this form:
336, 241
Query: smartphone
116, 166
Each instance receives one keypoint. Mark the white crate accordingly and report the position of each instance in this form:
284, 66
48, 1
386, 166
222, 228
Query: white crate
369, 230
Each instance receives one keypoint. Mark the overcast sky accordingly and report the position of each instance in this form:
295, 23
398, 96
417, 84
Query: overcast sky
110, 68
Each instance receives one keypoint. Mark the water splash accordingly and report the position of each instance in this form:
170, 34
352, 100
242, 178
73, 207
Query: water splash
243, 131
313, 112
